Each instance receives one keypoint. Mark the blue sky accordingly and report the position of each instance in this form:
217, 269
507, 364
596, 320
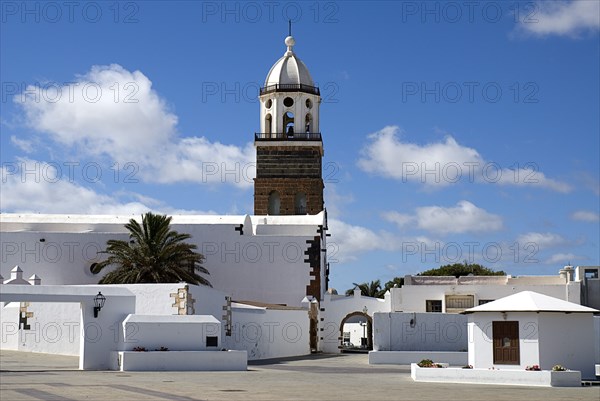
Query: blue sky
452, 131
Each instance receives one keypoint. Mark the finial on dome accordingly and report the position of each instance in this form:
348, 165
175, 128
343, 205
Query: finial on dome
290, 42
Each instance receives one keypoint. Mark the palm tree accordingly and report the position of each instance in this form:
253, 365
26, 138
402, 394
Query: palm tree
153, 254
372, 289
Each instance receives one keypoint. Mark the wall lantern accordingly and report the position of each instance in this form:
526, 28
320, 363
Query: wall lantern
98, 303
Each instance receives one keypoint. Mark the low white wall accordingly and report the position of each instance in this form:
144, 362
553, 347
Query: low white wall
397, 331
269, 333
506, 377
177, 333
98, 336
182, 361
55, 325
408, 357
54, 328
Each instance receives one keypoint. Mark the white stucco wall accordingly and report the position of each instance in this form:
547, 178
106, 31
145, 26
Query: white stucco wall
480, 346
412, 298
266, 263
269, 333
54, 328
567, 340
55, 325
98, 336
428, 332
175, 332
597, 338
335, 308
357, 331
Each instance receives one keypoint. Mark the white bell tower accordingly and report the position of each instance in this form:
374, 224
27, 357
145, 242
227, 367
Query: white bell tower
289, 101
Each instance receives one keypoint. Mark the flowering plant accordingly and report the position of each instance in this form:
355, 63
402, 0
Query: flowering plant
558, 368
534, 367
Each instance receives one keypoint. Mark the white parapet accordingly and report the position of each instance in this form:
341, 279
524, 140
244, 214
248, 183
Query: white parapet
182, 360
545, 378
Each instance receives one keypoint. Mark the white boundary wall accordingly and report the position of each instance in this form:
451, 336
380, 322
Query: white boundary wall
55, 325
335, 308
395, 331
269, 333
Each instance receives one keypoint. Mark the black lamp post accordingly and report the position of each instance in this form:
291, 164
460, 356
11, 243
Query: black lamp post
98, 303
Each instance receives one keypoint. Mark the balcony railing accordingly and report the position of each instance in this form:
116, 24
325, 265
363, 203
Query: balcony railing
290, 88
282, 136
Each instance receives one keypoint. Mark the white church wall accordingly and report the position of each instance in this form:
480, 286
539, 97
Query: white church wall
63, 258
567, 340
269, 333
480, 344
270, 268
419, 332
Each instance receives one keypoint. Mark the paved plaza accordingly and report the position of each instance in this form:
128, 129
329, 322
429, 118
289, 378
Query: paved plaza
29, 376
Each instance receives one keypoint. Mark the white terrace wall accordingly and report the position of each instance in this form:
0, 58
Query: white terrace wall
268, 333
412, 298
419, 332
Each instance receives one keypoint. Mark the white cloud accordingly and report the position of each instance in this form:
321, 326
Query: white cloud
387, 155
464, 217
561, 258
23, 144
584, 215
335, 200
348, 241
48, 192
443, 163
542, 240
400, 219
112, 112
563, 18
530, 177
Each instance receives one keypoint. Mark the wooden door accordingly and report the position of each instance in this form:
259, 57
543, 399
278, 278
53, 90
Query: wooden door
506, 343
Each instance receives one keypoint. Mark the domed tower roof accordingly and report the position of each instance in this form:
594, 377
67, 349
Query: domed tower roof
289, 69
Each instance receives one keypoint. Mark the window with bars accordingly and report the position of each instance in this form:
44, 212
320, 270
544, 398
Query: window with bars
460, 302
433, 305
